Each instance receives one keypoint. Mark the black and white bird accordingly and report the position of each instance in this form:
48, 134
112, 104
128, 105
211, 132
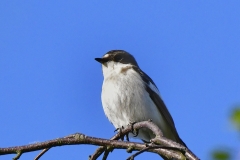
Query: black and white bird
130, 95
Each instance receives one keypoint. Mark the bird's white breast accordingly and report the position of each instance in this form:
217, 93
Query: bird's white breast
125, 99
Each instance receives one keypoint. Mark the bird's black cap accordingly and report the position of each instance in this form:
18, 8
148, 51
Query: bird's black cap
120, 56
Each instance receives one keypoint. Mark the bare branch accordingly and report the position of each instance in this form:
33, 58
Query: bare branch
159, 145
41, 154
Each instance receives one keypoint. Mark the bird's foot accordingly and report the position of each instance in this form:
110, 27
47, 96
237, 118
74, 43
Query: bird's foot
133, 131
120, 133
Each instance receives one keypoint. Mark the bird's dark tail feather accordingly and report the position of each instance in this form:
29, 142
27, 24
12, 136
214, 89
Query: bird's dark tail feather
182, 143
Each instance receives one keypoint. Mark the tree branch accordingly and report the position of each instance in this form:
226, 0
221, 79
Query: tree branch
159, 145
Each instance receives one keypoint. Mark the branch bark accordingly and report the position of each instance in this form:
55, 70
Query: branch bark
159, 144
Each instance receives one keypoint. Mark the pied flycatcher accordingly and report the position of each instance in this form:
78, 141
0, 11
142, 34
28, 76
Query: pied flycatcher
130, 95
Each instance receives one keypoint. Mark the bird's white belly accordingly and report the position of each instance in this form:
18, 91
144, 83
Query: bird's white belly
125, 100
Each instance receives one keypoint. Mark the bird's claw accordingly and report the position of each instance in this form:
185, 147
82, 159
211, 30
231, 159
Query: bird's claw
120, 133
133, 131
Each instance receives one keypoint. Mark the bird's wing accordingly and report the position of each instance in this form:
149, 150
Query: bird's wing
152, 89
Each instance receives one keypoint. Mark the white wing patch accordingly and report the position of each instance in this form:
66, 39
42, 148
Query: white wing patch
154, 88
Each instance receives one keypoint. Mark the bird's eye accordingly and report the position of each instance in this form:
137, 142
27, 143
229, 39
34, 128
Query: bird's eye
117, 58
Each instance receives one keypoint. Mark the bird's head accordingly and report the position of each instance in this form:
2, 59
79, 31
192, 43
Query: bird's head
115, 60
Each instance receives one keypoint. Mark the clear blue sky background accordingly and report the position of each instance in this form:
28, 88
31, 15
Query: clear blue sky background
50, 85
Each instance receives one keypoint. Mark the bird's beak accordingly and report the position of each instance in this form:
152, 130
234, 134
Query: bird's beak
101, 60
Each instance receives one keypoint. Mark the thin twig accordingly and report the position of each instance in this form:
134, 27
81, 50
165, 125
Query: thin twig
19, 153
141, 151
41, 154
105, 155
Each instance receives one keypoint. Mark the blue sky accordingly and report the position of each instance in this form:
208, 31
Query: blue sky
50, 85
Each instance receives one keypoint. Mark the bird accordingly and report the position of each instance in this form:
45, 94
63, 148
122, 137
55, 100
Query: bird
130, 95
